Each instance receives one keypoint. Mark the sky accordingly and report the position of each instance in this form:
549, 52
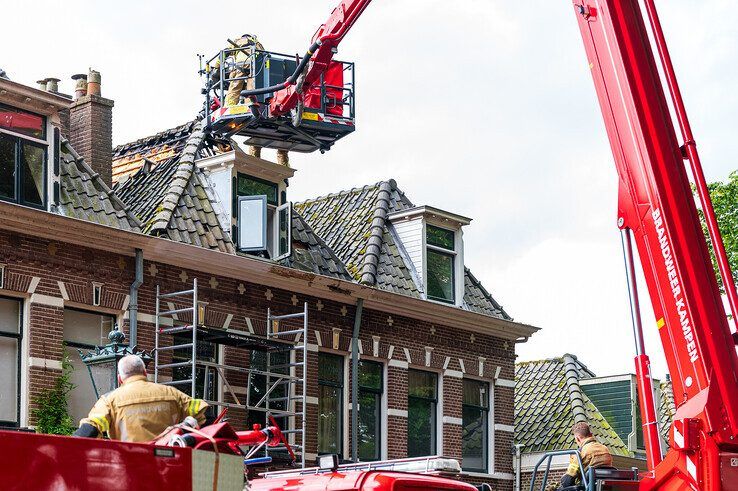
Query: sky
484, 108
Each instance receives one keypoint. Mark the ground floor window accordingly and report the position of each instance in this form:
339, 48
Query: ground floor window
371, 386
83, 331
422, 407
259, 385
10, 361
475, 427
206, 378
330, 403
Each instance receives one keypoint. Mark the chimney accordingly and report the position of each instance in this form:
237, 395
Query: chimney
91, 125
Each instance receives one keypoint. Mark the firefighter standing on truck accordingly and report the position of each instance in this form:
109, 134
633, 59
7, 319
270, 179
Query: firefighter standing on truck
139, 410
593, 455
239, 68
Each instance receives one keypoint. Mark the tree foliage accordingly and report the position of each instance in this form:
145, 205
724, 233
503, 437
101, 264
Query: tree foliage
724, 197
51, 413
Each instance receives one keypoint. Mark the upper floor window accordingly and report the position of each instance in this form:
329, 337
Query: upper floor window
22, 171
441, 259
263, 223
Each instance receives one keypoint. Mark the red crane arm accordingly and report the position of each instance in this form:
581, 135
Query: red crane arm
325, 41
655, 201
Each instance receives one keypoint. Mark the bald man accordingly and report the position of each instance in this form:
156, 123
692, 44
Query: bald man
138, 410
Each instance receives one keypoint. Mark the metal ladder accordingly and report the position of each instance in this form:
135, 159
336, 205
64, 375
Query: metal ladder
185, 296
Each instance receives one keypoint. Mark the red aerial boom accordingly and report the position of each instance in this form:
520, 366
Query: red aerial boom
319, 55
656, 205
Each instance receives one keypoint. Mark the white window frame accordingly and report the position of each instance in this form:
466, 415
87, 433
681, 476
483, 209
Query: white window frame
455, 253
276, 222
263, 199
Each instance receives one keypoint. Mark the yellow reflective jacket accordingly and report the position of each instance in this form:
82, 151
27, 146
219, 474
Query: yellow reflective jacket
139, 410
592, 453
241, 56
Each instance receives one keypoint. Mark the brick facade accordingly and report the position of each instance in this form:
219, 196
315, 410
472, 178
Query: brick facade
53, 275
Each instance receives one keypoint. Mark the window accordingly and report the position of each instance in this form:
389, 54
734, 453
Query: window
251, 186
440, 258
22, 171
83, 331
263, 224
10, 361
474, 433
371, 386
205, 352
258, 386
22, 122
330, 403
422, 404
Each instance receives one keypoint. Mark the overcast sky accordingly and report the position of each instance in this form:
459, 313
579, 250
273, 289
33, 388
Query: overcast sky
481, 107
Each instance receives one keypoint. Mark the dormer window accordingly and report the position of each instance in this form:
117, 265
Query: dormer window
433, 241
23, 150
263, 222
440, 260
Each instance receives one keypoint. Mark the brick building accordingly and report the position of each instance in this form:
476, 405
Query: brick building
437, 352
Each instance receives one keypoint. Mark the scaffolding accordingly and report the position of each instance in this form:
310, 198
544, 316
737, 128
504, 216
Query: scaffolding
282, 348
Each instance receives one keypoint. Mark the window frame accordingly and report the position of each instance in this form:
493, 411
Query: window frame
485, 427
19, 140
240, 175
451, 253
19, 362
278, 254
434, 423
379, 402
341, 385
265, 224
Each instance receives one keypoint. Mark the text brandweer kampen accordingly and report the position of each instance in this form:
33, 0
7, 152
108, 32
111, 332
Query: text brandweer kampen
676, 287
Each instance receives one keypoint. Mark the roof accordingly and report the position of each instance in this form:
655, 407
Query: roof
666, 409
354, 225
174, 198
549, 400
310, 253
84, 195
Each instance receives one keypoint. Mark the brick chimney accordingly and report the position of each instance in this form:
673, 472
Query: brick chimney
91, 126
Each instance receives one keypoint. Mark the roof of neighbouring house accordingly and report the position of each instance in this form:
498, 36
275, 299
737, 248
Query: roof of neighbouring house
84, 195
547, 400
666, 409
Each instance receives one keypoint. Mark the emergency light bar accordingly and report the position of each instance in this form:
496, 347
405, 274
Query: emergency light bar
420, 465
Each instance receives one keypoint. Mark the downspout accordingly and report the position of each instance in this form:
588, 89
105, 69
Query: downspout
133, 302
518, 449
355, 381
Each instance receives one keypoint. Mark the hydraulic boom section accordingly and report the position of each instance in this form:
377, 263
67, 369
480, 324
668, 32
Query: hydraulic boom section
655, 202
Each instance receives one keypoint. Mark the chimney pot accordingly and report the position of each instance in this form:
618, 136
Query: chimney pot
80, 87
52, 84
42, 84
93, 82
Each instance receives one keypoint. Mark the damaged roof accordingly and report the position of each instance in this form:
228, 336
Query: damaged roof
549, 400
84, 195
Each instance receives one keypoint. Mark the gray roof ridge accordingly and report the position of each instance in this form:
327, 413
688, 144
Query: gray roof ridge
576, 396
183, 174
489, 296
391, 182
376, 231
112, 196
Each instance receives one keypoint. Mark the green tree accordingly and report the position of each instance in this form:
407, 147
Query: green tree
51, 413
725, 202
